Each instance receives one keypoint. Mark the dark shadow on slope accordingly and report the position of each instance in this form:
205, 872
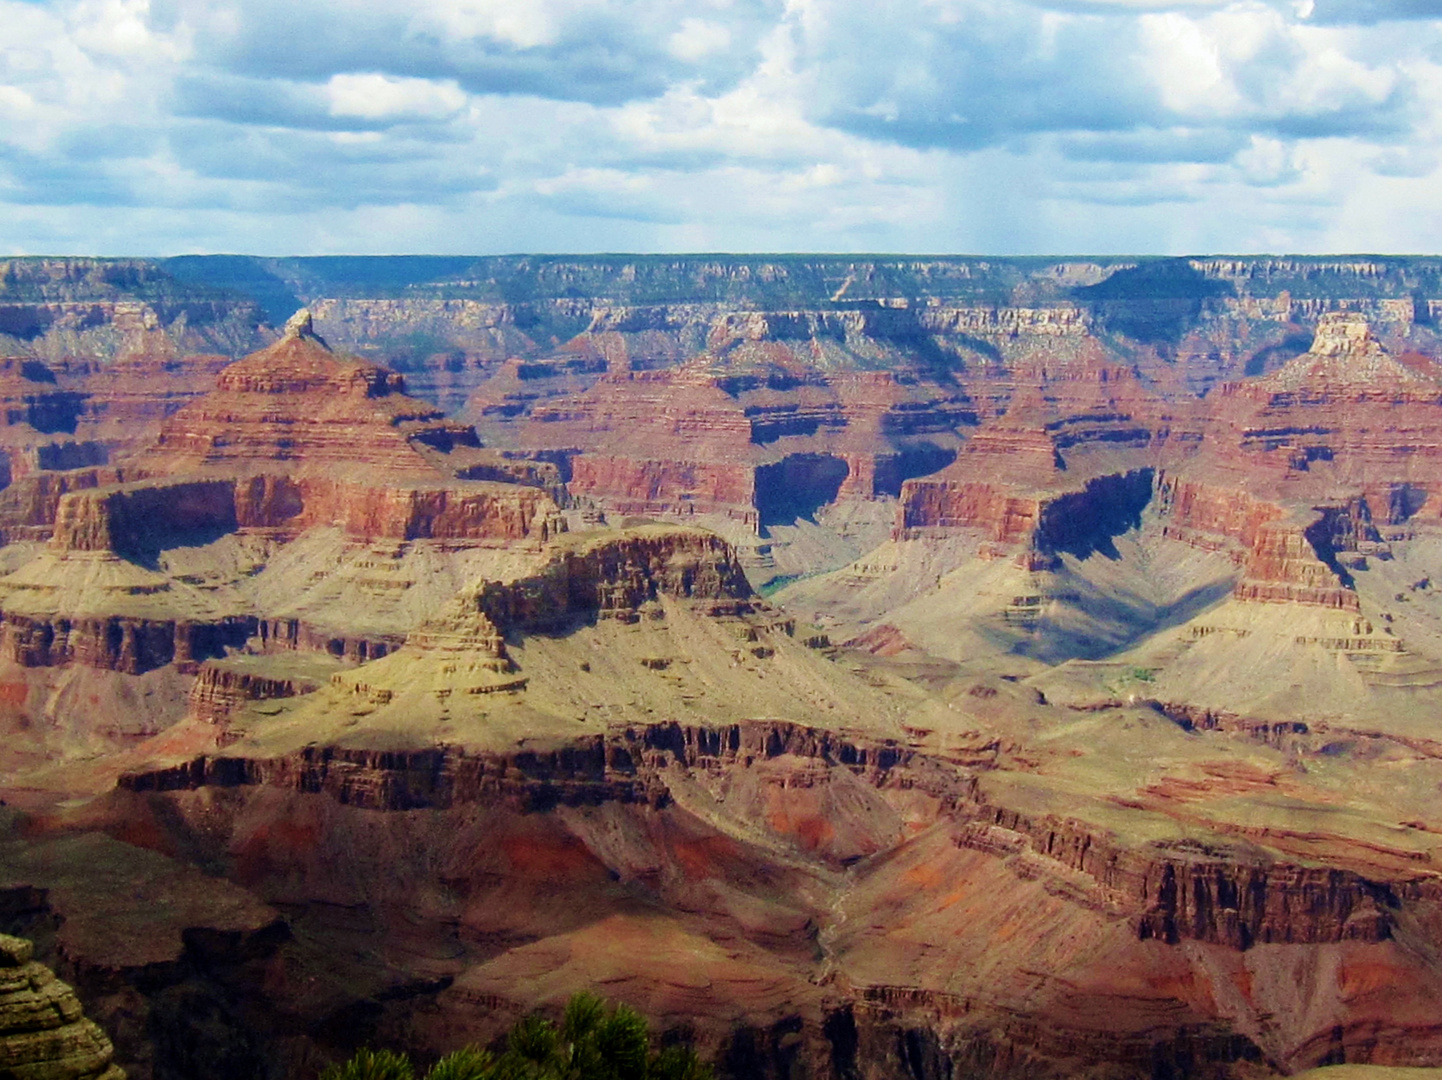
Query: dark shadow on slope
797, 486
1086, 522
1274, 356
1156, 302
242, 274
1121, 620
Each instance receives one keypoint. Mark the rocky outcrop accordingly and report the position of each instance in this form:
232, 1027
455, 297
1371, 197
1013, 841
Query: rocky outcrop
1283, 566
138, 518
44, 1034
613, 576
1002, 514
1282, 734
629, 485
1079, 521
117, 642
30, 505
219, 691
287, 635
458, 510
1194, 891
625, 766
1287, 556
1207, 515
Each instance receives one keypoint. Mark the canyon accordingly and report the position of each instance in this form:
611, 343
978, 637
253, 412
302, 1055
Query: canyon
863, 667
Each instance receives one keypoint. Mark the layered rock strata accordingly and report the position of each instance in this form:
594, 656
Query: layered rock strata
124, 643
625, 767
615, 575
1109, 916
44, 1034
758, 442
293, 437
219, 691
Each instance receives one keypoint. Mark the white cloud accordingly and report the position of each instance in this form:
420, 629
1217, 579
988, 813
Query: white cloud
376, 97
483, 125
1187, 65
523, 23
698, 38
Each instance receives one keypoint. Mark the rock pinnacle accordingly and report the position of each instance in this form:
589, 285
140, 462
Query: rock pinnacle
301, 325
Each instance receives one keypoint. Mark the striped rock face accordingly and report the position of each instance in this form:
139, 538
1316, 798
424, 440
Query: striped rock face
43, 1031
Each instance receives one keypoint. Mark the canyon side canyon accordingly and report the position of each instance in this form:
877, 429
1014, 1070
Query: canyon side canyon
866, 668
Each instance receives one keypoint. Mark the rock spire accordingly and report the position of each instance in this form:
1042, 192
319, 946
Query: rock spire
302, 325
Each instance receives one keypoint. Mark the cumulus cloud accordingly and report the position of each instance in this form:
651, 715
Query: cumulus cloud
492, 125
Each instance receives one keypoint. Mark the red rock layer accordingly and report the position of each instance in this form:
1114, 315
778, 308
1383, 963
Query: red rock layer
292, 437
629, 485
1000, 513
1283, 567
150, 514
697, 438
1190, 507
28, 507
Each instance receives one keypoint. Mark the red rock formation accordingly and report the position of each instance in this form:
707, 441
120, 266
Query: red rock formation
639, 486
28, 507
1191, 507
708, 438
1346, 415
1079, 521
1283, 565
934, 502
293, 437
297, 402
132, 518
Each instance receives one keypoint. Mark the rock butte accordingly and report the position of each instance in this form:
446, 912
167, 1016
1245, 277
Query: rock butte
1086, 726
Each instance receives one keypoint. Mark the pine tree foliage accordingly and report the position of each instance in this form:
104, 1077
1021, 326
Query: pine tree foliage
593, 1042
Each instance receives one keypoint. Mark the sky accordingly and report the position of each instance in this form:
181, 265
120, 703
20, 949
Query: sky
300, 127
